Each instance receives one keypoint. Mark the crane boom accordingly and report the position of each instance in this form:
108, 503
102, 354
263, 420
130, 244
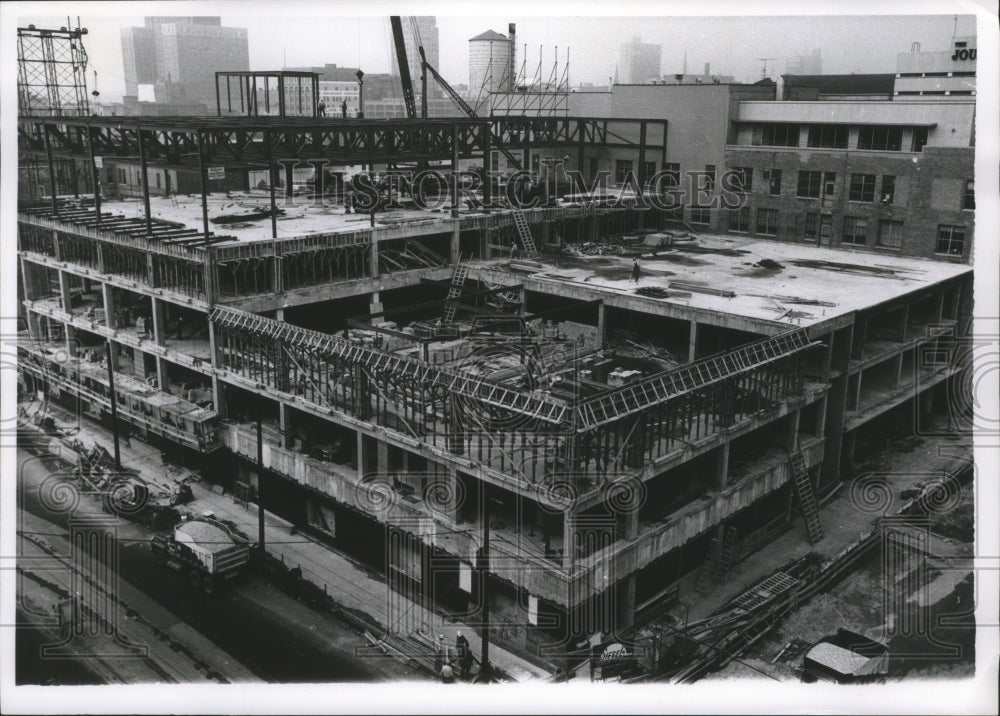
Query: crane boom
465, 107
404, 66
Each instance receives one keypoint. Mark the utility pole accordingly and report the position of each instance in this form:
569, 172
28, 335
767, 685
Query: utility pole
114, 406
485, 676
260, 485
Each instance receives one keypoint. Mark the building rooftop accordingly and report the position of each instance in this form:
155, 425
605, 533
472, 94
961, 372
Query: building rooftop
844, 84
811, 286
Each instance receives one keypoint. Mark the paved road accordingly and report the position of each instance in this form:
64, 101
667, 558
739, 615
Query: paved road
274, 636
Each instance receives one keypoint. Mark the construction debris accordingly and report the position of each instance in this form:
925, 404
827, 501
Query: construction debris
654, 292
696, 288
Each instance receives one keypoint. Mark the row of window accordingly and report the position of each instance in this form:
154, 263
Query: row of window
854, 230
871, 137
810, 185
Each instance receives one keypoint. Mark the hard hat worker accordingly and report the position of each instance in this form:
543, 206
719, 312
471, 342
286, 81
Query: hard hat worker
464, 655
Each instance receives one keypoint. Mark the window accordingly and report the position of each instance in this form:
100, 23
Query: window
700, 216
888, 189
812, 226
780, 135
121, 176
775, 178
594, 167
739, 219
829, 183
710, 177
919, 138
673, 173
951, 240
742, 179
767, 222
648, 169
890, 234
969, 196
855, 230
623, 168
862, 187
830, 136
809, 185
884, 139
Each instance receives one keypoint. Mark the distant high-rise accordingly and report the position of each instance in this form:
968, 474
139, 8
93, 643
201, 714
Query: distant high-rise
639, 62
179, 56
811, 64
419, 32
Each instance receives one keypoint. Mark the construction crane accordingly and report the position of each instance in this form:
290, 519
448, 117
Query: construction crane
404, 66
464, 106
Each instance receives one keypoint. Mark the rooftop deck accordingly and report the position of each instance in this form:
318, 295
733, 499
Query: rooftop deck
812, 285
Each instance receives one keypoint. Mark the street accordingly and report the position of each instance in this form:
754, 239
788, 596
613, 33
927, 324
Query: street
255, 630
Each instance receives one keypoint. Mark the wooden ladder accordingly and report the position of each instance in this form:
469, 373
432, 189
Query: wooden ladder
524, 232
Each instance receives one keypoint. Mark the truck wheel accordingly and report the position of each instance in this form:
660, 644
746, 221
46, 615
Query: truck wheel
195, 578
208, 585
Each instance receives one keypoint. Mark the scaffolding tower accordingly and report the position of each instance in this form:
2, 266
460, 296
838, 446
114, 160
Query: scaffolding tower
52, 72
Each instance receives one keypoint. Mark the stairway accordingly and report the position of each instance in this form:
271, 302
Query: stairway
524, 232
807, 498
610, 406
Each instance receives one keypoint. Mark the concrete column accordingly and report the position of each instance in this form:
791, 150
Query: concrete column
850, 443
828, 357
150, 271
107, 293
100, 257
898, 375
161, 375
569, 549
939, 305
64, 291
69, 333
792, 437
219, 396
456, 246
858, 346
383, 457
721, 466
601, 324
56, 251
51, 329
159, 322
214, 349
693, 341
904, 321
628, 525
625, 611
374, 258
279, 314
285, 420
361, 455
821, 417
857, 393
277, 284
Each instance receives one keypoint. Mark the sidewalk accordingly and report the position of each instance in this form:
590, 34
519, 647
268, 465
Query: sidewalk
349, 584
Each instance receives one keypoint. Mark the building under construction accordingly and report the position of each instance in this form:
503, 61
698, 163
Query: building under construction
471, 381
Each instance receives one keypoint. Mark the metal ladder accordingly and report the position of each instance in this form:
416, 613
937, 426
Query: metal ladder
524, 232
807, 498
457, 282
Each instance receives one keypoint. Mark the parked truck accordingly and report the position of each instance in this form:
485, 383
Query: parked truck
209, 552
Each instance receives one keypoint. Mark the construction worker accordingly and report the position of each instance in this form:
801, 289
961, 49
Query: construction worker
343, 108
321, 108
440, 654
635, 270
447, 675
464, 655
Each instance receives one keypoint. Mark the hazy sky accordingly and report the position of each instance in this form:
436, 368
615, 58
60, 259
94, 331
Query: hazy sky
315, 34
